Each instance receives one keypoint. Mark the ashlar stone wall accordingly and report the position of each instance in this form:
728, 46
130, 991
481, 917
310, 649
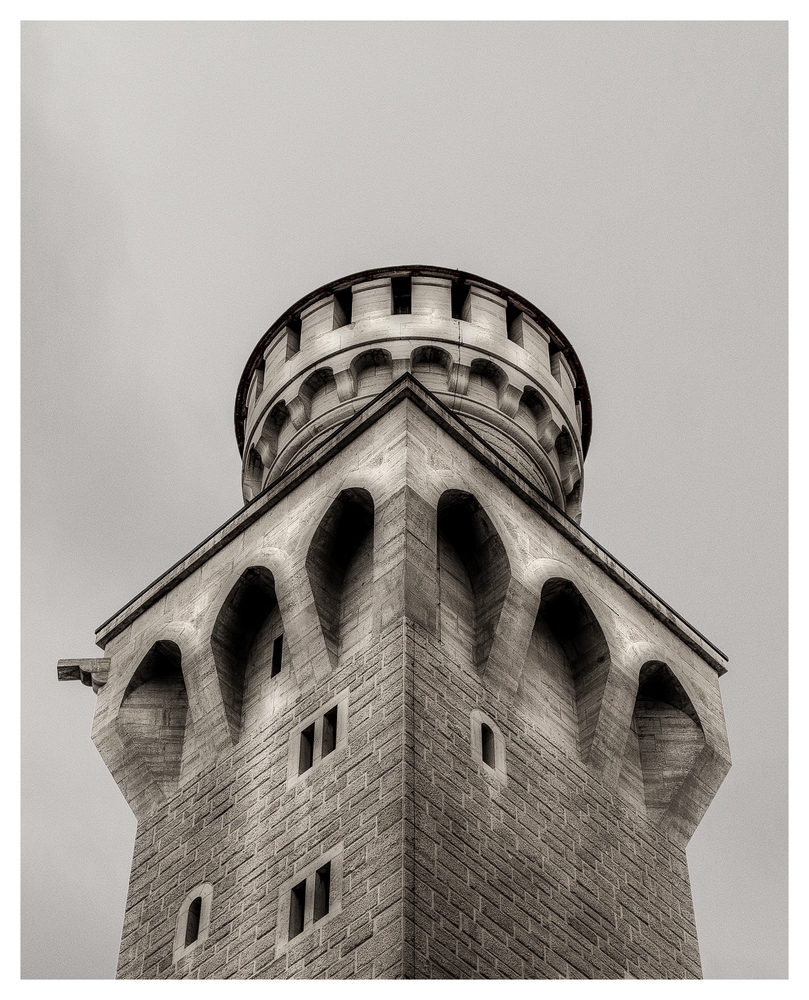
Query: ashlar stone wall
403, 687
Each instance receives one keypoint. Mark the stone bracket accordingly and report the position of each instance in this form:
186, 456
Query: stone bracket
92, 671
509, 400
458, 380
346, 386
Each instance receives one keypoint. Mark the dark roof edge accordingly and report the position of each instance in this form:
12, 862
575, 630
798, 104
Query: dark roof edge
408, 387
561, 341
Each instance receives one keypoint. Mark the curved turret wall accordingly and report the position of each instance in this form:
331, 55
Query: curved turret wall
488, 354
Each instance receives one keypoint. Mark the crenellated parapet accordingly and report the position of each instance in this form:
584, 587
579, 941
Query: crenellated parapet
482, 350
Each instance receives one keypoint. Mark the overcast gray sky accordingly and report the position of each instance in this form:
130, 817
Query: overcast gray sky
184, 183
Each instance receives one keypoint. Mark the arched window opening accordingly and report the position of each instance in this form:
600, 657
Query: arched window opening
487, 744
488, 747
340, 569
193, 921
192, 924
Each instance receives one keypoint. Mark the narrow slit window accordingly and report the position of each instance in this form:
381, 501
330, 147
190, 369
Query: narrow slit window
277, 654
487, 744
297, 906
307, 748
192, 924
322, 891
329, 731
401, 295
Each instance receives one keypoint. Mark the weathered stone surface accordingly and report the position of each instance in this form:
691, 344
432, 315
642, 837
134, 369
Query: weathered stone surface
401, 718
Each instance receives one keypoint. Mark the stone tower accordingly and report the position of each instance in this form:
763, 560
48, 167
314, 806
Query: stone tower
401, 716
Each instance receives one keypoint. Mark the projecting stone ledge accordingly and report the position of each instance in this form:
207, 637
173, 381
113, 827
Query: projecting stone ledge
92, 671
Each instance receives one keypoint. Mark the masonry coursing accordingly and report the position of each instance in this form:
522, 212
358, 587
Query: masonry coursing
418, 578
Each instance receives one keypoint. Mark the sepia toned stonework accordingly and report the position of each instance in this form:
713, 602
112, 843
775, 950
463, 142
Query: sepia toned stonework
401, 717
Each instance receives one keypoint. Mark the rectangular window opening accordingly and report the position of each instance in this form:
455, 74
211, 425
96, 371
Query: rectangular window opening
293, 337
329, 731
297, 905
342, 307
277, 654
258, 379
307, 748
322, 891
400, 295
459, 293
513, 326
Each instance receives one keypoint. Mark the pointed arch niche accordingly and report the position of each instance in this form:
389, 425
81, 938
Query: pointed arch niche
249, 650
340, 565
566, 667
474, 574
664, 741
154, 711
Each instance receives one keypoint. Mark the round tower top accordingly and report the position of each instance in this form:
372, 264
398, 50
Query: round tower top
485, 351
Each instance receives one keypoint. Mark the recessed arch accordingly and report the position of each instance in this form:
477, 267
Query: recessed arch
267, 443
251, 600
567, 666
666, 737
371, 371
253, 474
483, 369
339, 563
568, 463
154, 711
468, 540
316, 384
545, 428
431, 366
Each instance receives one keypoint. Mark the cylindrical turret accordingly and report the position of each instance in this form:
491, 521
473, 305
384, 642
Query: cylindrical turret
487, 353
